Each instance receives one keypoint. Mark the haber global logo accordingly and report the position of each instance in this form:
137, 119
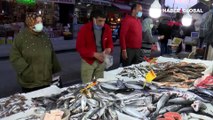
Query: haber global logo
182, 10
181, 6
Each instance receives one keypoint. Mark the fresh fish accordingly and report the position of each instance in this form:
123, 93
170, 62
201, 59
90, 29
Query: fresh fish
109, 86
75, 105
92, 103
171, 108
198, 105
79, 109
186, 110
133, 86
83, 102
164, 98
125, 90
101, 111
120, 84
132, 112
130, 96
113, 113
205, 91
90, 113
180, 100
198, 116
122, 116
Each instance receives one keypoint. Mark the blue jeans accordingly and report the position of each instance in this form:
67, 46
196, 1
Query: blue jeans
164, 48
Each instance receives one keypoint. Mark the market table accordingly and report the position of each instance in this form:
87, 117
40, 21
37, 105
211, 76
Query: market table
114, 96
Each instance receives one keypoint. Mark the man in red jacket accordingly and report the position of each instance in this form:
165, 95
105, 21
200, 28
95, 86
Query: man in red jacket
131, 36
93, 41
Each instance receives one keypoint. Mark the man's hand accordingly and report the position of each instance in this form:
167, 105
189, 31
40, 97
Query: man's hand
99, 56
124, 54
107, 51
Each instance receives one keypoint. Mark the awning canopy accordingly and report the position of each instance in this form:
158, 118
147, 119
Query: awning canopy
122, 6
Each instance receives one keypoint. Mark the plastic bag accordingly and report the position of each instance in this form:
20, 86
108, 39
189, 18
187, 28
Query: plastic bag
108, 60
155, 47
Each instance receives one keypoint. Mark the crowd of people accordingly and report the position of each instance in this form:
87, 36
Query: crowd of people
34, 59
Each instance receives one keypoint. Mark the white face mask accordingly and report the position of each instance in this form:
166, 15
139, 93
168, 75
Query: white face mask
38, 27
151, 26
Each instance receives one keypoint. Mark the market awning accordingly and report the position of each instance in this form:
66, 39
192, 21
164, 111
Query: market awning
122, 6
63, 1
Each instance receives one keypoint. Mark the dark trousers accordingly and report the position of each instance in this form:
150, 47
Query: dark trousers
164, 48
25, 90
133, 57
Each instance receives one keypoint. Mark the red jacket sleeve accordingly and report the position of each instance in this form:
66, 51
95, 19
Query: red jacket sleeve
123, 32
109, 43
81, 44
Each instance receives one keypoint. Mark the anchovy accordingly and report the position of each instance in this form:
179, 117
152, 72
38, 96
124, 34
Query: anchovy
83, 102
122, 116
90, 113
92, 102
112, 113
109, 86
132, 112
101, 111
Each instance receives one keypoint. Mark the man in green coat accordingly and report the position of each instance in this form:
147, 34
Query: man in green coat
32, 56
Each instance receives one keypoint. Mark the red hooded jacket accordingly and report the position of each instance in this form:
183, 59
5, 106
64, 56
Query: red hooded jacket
86, 43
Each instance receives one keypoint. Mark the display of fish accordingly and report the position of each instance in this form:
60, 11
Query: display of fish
13, 104
132, 100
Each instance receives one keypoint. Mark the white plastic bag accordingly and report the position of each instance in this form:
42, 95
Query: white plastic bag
108, 60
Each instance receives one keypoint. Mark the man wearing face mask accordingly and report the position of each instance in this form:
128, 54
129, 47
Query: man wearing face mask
148, 38
131, 36
94, 40
32, 56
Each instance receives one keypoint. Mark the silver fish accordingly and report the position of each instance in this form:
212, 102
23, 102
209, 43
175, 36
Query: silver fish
83, 102
164, 98
112, 113
202, 117
171, 108
205, 91
186, 110
109, 86
198, 105
101, 111
133, 112
180, 100
122, 116
90, 113
137, 87
92, 103
78, 115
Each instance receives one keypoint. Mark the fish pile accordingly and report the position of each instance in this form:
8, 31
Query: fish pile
120, 100
12, 105
181, 75
136, 71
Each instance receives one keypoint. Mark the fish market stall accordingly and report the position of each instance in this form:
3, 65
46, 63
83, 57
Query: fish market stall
124, 94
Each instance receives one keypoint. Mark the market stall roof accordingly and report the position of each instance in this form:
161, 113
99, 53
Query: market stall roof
201, 5
122, 6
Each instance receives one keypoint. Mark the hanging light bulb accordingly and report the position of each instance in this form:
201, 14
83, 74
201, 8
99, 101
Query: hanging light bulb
155, 9
187, 19
39, 12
